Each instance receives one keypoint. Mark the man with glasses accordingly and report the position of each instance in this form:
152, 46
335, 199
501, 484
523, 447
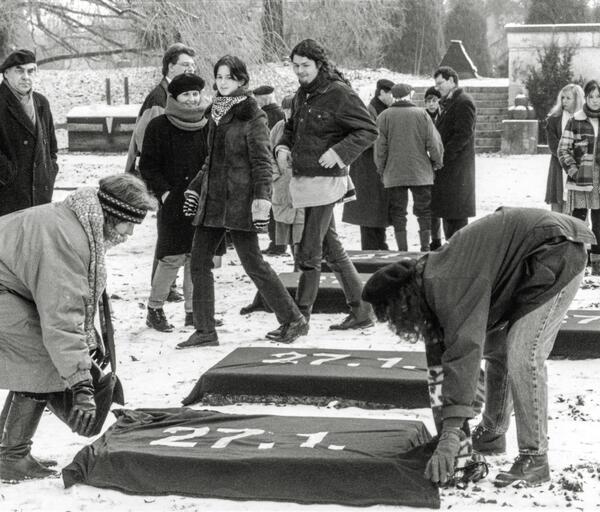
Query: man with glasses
27, 140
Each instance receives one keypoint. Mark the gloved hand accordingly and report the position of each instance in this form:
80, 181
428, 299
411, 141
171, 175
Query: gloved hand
83, 414
260, 214
440, 467
190, 204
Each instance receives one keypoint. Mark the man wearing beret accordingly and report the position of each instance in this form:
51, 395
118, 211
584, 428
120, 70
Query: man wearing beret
27, 140
498, 290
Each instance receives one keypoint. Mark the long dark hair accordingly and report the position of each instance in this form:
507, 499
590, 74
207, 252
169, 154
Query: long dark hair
312, 50
237, 68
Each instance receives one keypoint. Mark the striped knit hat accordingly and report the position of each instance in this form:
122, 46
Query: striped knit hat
120, 209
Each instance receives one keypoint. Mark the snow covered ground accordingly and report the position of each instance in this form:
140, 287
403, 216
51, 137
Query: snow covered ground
154, 374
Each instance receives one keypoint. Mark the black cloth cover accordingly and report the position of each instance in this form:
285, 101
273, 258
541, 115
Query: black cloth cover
209, 454
579, 336
395, 378
369, 262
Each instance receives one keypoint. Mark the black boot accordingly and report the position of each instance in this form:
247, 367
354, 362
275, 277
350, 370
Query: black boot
157, 319
488, 443
16, 462
532, 470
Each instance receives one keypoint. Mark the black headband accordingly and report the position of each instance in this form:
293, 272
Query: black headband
120, 209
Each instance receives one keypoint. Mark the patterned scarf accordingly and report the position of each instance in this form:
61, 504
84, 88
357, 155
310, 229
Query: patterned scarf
189, 119
84, 203
222, 104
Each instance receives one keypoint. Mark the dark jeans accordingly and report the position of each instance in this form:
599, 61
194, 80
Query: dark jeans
581, 214
319, 239
204, 246
421, 206
451, 226
372, 239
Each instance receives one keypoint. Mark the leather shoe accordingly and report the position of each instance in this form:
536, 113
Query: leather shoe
530, 469
200, 339
290, 332
189, 320
174, 296
351, 322
488, 443
24, 468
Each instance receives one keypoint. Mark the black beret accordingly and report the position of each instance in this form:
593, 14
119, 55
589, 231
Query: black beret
385, 84
263, 90
185, 82
18, 58
384, 284
432, 91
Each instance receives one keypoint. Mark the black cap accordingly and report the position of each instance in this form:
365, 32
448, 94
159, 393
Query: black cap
263, 90
432, 91
18, 58
185, 82
401, 90
385, 84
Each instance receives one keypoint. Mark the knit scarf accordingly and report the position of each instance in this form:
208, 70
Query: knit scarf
222, 104
189, 119
595, 114
26, 101
86, 207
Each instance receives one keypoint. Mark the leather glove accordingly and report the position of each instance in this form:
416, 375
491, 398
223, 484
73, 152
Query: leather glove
190, 204
83, 414
260, 214
440, 467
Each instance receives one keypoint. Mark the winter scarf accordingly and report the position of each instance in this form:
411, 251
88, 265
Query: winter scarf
26, 101
85, 205
222, 104
189, 119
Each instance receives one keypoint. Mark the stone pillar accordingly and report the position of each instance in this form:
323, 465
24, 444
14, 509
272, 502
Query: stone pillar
519, 136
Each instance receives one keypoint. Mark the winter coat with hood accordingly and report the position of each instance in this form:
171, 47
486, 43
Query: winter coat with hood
238, 168
453, 192
44, 262
27, 153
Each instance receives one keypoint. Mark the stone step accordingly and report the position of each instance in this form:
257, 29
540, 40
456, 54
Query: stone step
491, 134
487, 149
488, 141
483, 126
491, 118
490, 111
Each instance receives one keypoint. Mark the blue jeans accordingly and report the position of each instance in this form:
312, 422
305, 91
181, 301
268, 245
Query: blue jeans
319, 239
516, 375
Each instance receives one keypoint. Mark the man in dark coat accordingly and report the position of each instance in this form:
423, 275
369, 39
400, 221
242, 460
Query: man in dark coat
499, 289
27, 141
370, 210
453, 194
329, 128
266, 101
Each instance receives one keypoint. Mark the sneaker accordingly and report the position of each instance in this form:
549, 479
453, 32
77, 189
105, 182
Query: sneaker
200, 339
351, 322
157, 320
290, 332
174, 296
532, 470
189, 320
488, 443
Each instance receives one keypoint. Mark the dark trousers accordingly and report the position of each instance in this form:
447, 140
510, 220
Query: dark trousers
451, 226
320, 240
398, 197
372, 239
581, 214
204, 247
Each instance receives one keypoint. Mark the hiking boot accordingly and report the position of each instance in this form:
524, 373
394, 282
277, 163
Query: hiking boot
290, 332
488, 443
174, 296
530, 469
189, 320
351, 322
200, 339
157, 320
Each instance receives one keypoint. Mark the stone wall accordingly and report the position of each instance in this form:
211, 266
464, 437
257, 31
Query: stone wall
525, 41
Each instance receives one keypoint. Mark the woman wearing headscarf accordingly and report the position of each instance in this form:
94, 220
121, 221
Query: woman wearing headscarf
233, 191
173, 152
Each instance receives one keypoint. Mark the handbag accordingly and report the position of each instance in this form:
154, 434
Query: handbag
107, 386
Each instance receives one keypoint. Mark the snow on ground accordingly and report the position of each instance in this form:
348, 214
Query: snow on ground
154, 374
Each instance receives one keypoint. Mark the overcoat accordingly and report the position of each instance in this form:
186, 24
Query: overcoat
238, 169
554, 183
44, 262
27, 153
453, 193
171, 158
372, 203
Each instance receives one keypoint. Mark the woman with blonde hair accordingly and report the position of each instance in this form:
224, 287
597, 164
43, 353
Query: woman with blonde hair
569, 100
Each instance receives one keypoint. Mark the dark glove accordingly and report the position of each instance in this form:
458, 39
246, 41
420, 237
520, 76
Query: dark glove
190, 204
440, 467
83, 414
